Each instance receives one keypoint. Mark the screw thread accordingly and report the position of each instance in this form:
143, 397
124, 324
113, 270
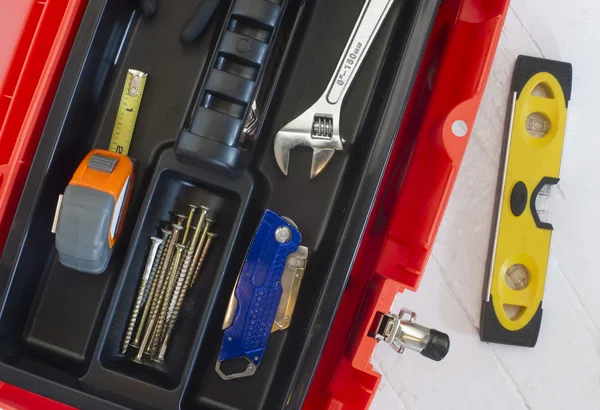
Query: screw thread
209, 238
156, 244
189, 223
164, 302
198, 252
154, 297
156, 264
183, 282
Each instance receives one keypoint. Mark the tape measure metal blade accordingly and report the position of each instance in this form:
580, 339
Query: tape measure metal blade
128, 110
512, 305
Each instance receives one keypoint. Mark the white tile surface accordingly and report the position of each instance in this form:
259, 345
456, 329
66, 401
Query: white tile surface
563, 370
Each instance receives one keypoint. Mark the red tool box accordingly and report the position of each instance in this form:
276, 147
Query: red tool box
400, 234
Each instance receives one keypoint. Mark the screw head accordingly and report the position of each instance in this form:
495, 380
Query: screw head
283, 234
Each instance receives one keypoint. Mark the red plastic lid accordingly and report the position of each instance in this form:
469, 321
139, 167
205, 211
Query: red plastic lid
12, 20
35, 42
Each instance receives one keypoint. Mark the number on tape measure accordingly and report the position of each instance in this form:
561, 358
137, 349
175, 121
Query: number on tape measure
128, 110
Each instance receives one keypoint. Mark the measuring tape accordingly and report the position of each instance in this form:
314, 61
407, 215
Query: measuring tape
512, 307
129, 107
90, 214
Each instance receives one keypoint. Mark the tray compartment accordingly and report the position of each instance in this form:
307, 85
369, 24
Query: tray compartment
330, 210
28, 263
235, 205
170, 194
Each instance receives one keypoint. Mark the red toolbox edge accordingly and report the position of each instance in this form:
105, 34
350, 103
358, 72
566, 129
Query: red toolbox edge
14, 398
408, 211
27, 92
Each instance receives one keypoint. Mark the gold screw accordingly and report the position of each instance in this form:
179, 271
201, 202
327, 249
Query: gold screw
175, 305
198, 251
180, 219
155, 288
209, 238
157, 245
189, 223
154, 304
168, 294
180, 289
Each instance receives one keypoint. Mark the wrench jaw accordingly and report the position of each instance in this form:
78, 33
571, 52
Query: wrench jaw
284, 143
320, 159
300, 133
319, 126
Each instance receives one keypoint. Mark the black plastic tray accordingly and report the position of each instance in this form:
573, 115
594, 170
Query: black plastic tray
60, 329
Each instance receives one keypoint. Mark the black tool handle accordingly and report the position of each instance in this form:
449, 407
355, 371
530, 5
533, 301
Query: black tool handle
230, 85
198, 21
147, 7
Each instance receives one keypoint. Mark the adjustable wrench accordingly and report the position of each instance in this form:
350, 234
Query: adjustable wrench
319, 126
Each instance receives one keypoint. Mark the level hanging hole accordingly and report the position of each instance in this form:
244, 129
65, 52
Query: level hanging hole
537, 125
542, 90
517, 276
513, 312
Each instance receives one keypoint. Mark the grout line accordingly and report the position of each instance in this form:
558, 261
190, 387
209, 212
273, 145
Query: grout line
583, 362
453, 290
509, 376
385, 378
573, 289
492, 160
472, 321
537, 46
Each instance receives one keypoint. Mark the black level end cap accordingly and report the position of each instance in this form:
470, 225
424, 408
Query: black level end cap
438, 345
491, 330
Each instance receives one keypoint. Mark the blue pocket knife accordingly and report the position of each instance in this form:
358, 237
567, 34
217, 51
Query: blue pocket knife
255, 300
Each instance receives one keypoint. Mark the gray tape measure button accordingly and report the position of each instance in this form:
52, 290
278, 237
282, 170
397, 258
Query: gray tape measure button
102, 163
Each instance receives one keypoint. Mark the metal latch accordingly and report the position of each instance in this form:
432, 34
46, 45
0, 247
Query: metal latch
401, 331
